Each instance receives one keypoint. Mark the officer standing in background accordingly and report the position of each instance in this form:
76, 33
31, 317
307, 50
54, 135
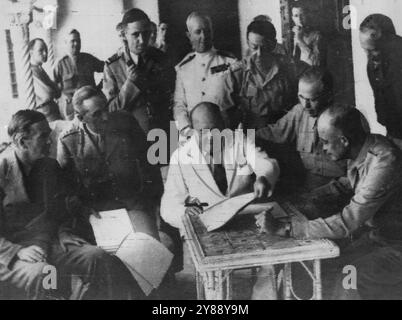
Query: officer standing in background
206, 74
75, 70
140, 80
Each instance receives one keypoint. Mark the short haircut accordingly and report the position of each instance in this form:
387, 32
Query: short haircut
85, 93
153, 24
196, 14
134, 15
313, 74
119, 27
298, 5
21, 122
378, 22
262, 17
211, 107
32, 43
349, 120
74, 31
263, 28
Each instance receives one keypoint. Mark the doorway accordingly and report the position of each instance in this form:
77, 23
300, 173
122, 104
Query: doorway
328, 19
225, 20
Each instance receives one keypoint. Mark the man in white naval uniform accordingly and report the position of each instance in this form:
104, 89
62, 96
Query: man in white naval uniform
205, 75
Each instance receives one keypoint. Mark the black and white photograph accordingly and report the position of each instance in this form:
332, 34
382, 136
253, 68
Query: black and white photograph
217, 151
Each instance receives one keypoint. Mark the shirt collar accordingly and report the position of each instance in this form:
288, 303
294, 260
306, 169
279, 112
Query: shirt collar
205, 55
134, 57
271, 74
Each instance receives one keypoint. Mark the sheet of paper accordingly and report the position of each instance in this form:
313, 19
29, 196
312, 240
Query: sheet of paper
113, 227
147, 258
256, 208
218, 215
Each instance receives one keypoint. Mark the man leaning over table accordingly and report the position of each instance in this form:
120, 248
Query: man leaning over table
372, 219
197, 176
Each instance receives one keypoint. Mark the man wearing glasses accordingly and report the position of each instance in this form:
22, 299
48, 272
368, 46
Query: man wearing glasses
299, 127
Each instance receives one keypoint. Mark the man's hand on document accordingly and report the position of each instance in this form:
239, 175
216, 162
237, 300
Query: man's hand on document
267, 224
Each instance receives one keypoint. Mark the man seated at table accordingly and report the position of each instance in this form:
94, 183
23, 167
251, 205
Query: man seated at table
372, 219
33, 196
299, 128
199, 175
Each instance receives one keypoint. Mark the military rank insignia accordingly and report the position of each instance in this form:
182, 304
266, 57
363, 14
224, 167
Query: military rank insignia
220, 68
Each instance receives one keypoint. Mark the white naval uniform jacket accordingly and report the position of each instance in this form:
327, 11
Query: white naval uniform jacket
190, 175
198, 81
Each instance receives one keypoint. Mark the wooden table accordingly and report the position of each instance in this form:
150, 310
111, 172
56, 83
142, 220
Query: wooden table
239, 245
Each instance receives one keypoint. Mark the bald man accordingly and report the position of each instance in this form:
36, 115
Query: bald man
197, 175
206, 74
372, 219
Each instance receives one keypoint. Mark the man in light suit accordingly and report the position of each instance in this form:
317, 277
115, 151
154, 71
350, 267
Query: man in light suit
196, 174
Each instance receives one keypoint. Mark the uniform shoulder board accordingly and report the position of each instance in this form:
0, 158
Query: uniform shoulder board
187, 59
69, 132
113, 58
220, 68
226, 54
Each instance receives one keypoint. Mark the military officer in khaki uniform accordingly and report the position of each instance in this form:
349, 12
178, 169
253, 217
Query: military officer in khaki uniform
371, 220
299, 128
205, 75
107, 152
74, 70
139, 79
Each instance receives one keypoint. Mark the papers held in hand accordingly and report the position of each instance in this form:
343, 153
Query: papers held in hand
221, 213
146, 258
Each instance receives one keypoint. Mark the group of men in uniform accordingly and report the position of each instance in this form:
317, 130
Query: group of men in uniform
102, 160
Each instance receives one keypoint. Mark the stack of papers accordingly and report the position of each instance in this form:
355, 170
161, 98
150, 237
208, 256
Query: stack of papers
145, 257
111, 230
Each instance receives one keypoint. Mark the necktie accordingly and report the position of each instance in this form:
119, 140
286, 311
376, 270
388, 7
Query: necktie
219, 174
297, 53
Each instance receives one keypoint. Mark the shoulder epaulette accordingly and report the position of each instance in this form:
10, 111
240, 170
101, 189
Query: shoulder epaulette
69, 132
186, 60
113, 58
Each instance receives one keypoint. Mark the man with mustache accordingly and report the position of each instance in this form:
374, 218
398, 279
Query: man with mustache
140, 80
74, 70
206, 74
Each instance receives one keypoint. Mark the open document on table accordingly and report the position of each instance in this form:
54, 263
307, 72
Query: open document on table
221, 213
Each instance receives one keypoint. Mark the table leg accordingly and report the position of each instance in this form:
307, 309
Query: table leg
317, 280
287, 281
229, 285
200, 286
209, 285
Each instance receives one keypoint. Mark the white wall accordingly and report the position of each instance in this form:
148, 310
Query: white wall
95, 19
248, 9
364, 93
